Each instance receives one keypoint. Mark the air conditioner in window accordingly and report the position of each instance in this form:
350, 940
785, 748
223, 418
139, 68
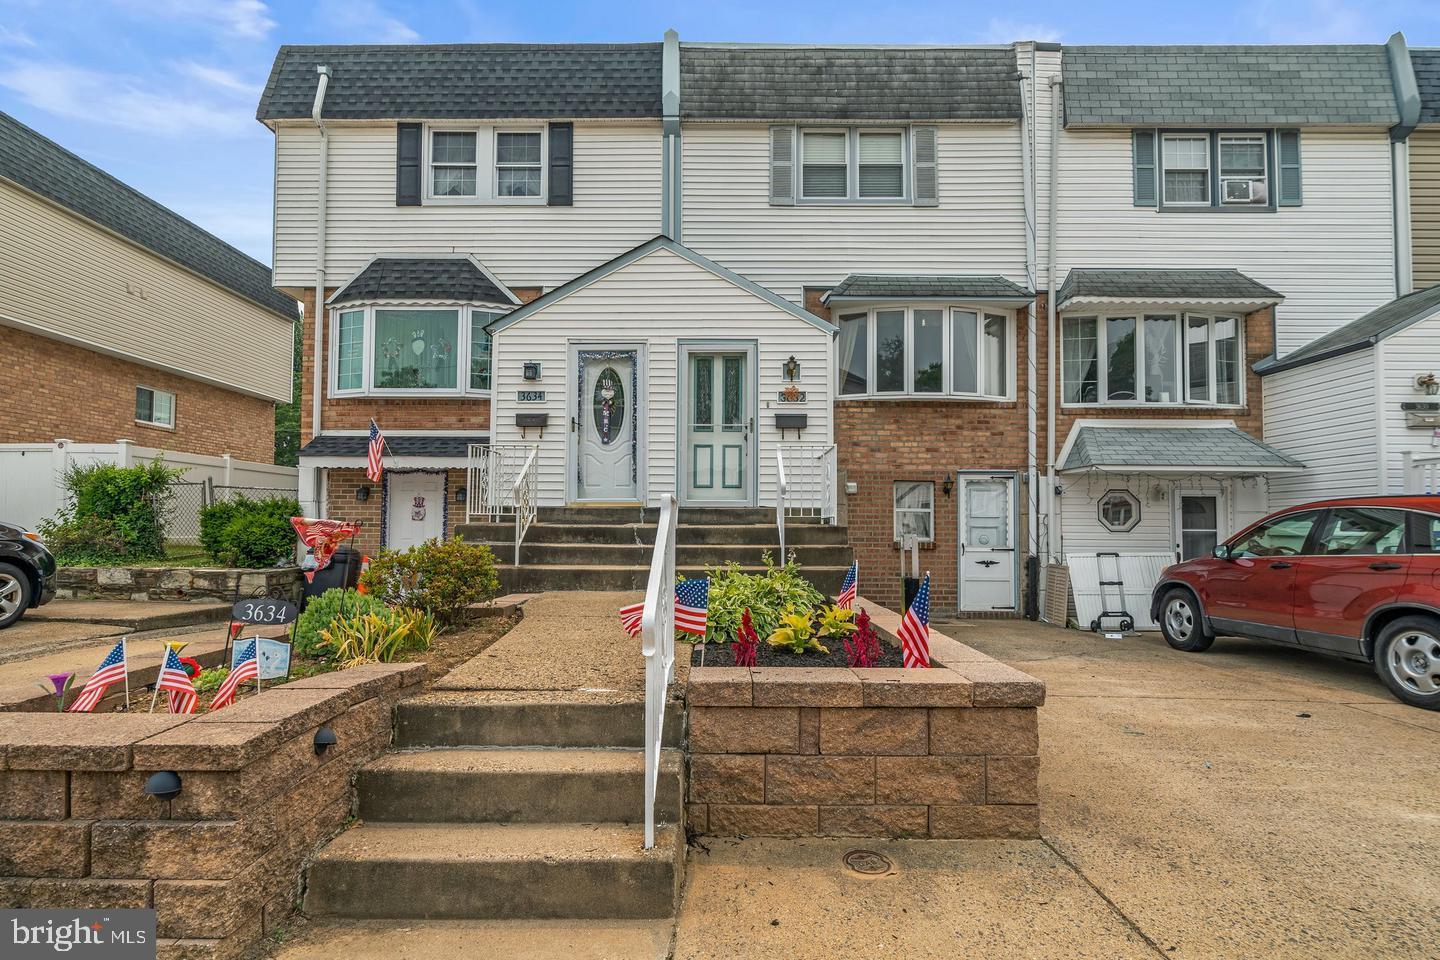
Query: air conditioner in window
1244, 191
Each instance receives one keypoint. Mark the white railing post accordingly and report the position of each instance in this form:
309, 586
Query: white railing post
657, 645
782, 490
523, 494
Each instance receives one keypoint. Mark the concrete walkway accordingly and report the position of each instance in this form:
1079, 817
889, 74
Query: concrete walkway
1249, 802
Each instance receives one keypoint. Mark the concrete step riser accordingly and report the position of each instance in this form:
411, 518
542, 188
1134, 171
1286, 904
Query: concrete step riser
697, 555
420, 724
403, 796
500, 889
651, 514
538, 578
630, 534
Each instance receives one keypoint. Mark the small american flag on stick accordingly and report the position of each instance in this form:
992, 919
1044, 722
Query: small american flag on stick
914, 629
111, 671
848, 589
692, 606
631, 616
176, 683
247, 669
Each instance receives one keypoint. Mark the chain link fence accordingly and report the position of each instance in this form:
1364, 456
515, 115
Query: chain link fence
189, 497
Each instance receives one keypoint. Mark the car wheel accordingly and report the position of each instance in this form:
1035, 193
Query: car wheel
1407, 658
14, 594
1180, 622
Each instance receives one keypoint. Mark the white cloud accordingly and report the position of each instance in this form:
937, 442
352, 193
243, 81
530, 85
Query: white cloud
15, 37
218, 77
121, 101
1001, 30
249, 19
364, 21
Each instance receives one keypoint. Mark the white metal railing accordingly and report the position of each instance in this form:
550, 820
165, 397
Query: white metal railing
523, 494
490, 477
808, 480
782, 496
1422, 473
657, 644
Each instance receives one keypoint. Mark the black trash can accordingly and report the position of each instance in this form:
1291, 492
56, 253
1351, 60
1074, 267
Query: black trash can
343, 570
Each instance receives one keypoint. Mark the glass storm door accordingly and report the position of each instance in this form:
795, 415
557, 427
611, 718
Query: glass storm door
1199, 525
717, 428
987, 543
606, 415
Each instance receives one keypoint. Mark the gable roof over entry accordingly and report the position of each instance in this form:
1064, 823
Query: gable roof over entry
1217, 448
1383, 321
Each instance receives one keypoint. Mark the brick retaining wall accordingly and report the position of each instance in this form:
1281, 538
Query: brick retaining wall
173, 583
950, 752
220, 863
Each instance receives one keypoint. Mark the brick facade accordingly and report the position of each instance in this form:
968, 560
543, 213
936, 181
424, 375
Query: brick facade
341, 504
89, 397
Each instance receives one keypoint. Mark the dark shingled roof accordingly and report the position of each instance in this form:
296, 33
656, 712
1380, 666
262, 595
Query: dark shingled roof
467, 81
357, 445
1370, 329
877, 287
422, 278
42, 166
1427, 76
1141, 447
1271, 85
847, 83
1164, 285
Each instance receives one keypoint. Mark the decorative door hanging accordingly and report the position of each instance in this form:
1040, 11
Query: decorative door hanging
609, 412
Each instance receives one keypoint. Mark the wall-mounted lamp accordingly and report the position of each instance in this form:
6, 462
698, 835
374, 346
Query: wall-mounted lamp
1428, 384
791, 369
324, 739
947, 486
362, 494
460, 494
163, 785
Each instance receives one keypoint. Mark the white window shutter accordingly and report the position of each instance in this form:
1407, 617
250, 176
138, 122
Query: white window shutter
782, 165
926, 166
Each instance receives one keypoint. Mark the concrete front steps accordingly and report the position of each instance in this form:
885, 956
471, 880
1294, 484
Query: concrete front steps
609, 548
516, 808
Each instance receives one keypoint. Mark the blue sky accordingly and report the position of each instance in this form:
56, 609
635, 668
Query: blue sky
162, 93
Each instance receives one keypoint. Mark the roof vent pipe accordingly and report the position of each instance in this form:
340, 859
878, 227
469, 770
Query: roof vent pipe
322, 179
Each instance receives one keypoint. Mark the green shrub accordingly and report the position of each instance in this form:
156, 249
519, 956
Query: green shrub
441, 577
322, 610
249, 533
83, 542
378, 637
210, 680
114, 513
768, 595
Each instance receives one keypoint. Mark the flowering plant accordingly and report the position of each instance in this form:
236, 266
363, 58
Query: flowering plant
747, 641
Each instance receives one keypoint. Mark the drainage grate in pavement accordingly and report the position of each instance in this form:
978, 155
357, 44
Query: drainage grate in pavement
868, 863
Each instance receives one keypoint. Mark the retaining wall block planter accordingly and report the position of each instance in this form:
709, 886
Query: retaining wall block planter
947, 753
175, 583
221, 862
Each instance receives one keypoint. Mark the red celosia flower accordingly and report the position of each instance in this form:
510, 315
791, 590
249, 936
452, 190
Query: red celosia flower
747, 641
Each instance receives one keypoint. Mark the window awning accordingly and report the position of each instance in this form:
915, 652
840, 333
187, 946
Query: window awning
401, 450
875, 288
1220, 448
1204, 289
458, 278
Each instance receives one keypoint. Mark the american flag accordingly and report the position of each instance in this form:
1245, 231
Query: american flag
914, 629
631, 616
176, 682
846, 599
111, 670
247, 669
692, 604
374, 469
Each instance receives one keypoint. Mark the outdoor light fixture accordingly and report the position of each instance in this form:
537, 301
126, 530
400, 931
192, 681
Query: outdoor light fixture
163, 785
947, 486
460, 494
324, 739
792, 369
362, 494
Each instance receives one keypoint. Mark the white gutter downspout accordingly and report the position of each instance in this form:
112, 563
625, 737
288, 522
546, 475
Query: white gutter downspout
1032, 391
1052, 246
670, 187
318, 379
1407, 104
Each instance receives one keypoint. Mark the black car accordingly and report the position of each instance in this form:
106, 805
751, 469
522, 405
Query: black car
27, 573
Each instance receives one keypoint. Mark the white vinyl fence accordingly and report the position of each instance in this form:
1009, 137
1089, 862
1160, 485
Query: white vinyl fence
31, 489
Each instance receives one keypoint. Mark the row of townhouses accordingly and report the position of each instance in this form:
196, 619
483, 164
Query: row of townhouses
1031, 304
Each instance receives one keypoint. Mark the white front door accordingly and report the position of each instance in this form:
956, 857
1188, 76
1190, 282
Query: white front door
415, 508
987, 543
606, 414
1197, 524
717, 426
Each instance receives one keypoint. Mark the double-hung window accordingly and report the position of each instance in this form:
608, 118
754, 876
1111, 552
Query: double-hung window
1187, 169
1136, 359
517, 163
1243, 169
453, 163
852, 165
485, 165
915, 510
397, 350
1216, 170
925, 351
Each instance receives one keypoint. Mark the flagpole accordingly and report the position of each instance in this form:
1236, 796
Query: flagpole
125, 657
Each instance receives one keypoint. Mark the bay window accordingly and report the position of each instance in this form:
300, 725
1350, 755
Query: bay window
926, 351
404, 350
1154, 358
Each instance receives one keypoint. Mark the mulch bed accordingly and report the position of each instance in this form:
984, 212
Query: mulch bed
450, 649
720, 655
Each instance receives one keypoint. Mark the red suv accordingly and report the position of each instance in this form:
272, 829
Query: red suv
1356, 578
